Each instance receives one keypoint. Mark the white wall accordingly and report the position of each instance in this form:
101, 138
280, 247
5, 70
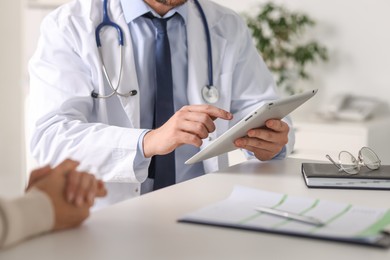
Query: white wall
356, 32
11, 132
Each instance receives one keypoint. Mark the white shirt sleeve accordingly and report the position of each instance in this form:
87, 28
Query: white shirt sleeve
25, 216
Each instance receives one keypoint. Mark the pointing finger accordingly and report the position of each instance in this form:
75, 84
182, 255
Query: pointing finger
212, 111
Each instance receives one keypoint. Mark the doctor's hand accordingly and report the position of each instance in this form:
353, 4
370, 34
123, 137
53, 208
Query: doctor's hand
265, 142
189, 125
53, 182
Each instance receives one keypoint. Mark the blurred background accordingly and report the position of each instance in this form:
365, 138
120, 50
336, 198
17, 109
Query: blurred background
349, 111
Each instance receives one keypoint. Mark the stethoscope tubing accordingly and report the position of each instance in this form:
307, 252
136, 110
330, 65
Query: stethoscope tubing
114, 89
207, 91
208, 41
107, 22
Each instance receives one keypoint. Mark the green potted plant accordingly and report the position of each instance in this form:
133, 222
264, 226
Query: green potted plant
279, 37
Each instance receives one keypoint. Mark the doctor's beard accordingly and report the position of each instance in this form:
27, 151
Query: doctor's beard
172, 3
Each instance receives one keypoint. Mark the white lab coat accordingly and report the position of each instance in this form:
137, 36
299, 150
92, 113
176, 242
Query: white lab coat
103, 134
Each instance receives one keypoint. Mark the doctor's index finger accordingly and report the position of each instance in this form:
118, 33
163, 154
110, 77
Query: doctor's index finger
213, 111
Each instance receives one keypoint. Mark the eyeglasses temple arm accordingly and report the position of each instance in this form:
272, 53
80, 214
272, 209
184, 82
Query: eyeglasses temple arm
332, 161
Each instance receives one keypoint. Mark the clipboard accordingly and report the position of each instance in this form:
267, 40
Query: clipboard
238, 212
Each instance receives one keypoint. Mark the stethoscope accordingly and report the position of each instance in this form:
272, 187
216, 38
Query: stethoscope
210, 93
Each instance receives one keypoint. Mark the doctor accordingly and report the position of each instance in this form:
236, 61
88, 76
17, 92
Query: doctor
95, 88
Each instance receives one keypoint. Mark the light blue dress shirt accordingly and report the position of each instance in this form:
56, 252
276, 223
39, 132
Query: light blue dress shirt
143, 34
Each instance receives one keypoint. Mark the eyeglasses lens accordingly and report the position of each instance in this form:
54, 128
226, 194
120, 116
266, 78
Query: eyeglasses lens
369, 158
348, 163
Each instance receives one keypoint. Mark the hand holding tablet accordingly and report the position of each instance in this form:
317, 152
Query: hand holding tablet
277, 109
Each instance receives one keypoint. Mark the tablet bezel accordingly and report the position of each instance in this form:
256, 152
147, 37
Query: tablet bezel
277, 109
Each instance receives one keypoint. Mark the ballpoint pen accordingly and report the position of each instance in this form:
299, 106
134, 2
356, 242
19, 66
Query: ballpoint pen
290, 215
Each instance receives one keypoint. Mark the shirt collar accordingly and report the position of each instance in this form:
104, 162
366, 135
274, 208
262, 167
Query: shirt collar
132, 9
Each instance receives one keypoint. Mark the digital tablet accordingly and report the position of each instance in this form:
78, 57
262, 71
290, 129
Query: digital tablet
276, 109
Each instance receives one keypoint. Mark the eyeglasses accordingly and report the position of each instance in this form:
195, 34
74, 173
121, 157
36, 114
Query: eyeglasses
349, 164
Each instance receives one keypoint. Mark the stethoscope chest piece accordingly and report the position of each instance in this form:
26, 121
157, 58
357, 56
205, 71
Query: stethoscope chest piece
210, 94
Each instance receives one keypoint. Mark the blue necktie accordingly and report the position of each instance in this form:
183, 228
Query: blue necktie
162, 167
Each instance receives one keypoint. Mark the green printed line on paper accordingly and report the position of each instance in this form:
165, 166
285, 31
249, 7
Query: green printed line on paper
377, 226
332, 218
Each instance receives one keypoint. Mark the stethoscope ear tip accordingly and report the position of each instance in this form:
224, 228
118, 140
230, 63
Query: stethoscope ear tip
94, 94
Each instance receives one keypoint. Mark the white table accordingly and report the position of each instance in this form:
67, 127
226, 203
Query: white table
146, 227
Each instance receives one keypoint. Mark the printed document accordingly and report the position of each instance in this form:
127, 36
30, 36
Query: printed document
351, 223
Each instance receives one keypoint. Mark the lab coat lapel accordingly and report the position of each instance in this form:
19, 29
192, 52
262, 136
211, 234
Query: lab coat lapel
197, 56
129, 81
198, 69
111, 53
